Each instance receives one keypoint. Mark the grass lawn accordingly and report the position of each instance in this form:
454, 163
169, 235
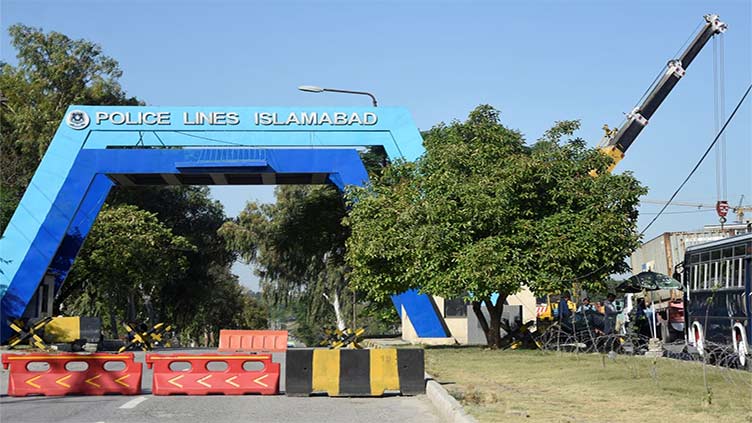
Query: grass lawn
537, 386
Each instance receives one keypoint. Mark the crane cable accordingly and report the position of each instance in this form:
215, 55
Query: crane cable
668, 203
694, 169
719, 112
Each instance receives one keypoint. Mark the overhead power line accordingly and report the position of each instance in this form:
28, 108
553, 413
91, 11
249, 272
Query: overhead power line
694, 169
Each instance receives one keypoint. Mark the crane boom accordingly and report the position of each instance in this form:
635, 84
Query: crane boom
616, 143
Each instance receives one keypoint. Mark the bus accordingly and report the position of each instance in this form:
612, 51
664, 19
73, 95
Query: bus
717, 276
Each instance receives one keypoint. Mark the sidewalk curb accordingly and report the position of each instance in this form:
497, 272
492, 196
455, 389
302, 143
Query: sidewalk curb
449, 408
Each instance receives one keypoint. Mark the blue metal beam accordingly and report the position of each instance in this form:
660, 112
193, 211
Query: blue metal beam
71, 183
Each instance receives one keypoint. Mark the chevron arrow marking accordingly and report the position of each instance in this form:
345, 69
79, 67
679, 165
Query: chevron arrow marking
120, 381
31, 381
91, 380
258, 381
230, 381
201, 381
61, 383
173, 381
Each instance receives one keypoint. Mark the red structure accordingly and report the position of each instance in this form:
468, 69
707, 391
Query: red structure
252, 340
65, 374
232, 374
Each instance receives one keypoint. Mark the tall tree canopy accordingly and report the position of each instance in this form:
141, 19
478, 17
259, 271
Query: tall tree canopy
127, 280
482, 213
53, 72
199, 296
298, 248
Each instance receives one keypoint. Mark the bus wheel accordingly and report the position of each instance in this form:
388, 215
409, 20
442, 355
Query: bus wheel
698, 337
739, 338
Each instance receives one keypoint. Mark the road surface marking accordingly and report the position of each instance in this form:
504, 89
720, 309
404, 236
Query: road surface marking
134, 402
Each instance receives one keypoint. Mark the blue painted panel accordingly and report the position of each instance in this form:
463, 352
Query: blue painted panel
224, 166
422, 313
79, 228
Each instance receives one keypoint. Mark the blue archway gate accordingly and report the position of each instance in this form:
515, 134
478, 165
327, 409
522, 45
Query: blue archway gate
96, 148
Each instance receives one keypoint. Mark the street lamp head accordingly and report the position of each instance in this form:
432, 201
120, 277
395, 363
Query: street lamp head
315, 89
311, 88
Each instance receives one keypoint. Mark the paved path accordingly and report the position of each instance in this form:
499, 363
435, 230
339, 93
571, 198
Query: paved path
213, 409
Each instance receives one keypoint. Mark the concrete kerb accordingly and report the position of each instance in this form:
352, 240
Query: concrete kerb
448, 407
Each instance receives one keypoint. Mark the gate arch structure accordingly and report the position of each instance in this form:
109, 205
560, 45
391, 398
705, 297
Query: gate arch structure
98, 147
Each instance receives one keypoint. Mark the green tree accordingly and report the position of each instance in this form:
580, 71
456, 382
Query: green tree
124, 282
53, 72
297, 245
482, 213
189, 212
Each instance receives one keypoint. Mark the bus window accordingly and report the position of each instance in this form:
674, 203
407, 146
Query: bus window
739, 250
724, 279
705, 257
715, 255
740, 272
728, 252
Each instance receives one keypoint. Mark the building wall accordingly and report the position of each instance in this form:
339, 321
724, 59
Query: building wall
467, 330
662, 253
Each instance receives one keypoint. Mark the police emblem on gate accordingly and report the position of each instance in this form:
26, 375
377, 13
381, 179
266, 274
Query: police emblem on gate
77, 119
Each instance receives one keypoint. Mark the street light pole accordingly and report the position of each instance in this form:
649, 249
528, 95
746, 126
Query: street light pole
315, 89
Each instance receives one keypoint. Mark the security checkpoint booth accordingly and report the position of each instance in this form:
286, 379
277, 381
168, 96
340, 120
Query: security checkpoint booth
98, 147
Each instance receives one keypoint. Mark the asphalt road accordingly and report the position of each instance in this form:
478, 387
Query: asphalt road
215, 408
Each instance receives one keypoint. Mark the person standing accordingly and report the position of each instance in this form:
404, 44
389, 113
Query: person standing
585, 306
609, 309
564, 313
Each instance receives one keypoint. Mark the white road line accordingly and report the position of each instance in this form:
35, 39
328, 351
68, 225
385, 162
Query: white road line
134, 402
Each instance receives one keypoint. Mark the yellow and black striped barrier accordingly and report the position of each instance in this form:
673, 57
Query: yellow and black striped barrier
369, 372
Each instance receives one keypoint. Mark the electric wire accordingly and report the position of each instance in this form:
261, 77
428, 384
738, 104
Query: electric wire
159, 139
668, 203
208, 138
694, 169
680, 212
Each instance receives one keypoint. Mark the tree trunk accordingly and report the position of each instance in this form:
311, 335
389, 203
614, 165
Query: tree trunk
113, 323
131, 316
337, 310
491, 327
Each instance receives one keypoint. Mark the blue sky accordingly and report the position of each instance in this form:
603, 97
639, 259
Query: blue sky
537, 62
